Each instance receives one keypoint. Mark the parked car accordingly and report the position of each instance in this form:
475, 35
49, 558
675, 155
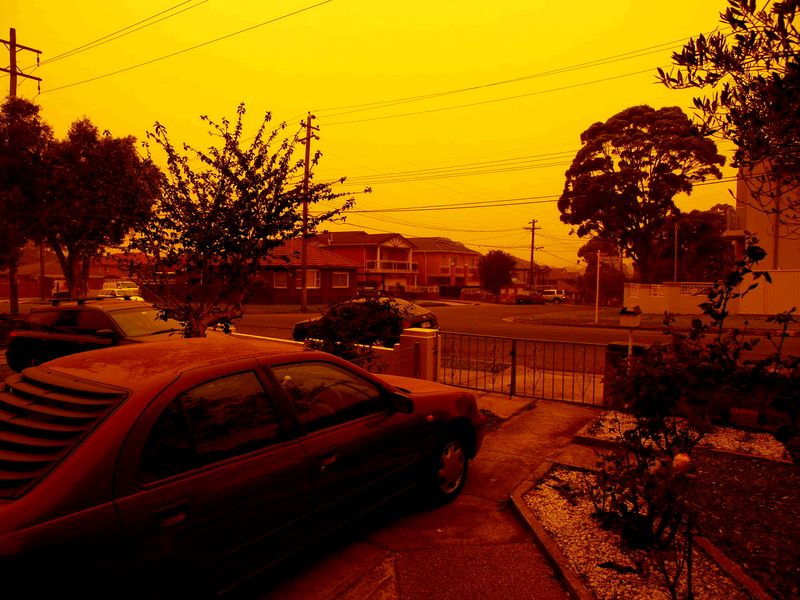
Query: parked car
127, 288
163, 470
69, 326
412, 315
528, 297
554, 296
118, 293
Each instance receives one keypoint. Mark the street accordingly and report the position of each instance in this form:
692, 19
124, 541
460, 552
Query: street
480, 319
501, 320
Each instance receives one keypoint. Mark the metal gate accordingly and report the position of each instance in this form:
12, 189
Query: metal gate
567, 371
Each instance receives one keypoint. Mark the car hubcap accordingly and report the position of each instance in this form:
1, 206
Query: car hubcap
451, 470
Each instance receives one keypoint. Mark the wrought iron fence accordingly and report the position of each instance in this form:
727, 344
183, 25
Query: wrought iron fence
566, 371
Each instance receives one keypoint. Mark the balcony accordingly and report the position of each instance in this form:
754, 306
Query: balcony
391, 266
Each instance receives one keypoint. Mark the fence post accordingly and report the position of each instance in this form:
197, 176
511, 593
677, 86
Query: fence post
425, 342
512, 388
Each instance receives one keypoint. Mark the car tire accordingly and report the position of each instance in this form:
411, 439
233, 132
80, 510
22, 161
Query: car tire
448, 471
170, 581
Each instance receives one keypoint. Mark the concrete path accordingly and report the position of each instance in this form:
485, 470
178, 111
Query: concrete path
475, 547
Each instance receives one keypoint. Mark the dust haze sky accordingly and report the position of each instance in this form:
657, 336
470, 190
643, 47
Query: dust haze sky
461, 115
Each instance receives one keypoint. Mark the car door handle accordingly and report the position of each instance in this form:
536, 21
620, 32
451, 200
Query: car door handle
327, 458
172, 515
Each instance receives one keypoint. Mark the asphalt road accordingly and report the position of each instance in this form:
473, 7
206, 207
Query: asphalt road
480, 319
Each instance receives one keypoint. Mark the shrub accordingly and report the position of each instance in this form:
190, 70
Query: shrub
349, 329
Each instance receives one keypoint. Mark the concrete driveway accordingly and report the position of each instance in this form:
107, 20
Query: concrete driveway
475, 547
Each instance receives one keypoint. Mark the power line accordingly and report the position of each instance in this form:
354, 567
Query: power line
529, 157
125, 30
521, 201
493, 101
466, 205
468, 169
195, 47
343, 110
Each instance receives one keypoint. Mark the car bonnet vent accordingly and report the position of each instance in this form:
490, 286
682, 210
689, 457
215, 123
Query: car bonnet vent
43, 416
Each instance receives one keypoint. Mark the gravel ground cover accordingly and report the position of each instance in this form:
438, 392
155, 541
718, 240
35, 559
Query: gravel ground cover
610, 426
748, 504
595, 554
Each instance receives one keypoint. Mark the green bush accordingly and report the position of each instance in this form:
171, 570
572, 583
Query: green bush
349, 329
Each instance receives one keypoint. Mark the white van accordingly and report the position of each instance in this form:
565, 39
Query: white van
121, 287
554, 296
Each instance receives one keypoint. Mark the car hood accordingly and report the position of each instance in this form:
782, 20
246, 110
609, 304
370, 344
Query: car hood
418, 386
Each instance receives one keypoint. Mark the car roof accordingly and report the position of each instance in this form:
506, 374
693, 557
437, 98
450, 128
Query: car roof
103, 303
140, 365
402, 303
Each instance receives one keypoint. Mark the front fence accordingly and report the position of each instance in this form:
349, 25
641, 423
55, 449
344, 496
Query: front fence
565, 371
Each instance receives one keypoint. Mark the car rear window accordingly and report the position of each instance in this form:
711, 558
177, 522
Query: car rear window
43, 416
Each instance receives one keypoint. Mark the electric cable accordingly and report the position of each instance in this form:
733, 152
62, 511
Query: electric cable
195, 47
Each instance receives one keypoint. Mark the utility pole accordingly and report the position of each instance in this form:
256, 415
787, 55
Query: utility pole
597, 292
675, 272
533, 229
15, 72
304, 239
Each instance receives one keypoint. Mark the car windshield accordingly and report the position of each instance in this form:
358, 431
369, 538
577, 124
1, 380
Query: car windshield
137, 322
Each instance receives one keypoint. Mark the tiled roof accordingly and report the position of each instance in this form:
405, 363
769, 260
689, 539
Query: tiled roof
355, 238
289, 254
440, 244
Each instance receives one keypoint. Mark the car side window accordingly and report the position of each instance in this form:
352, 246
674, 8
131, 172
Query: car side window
91, 321
216, 420
324, 394
40, 319
67, 319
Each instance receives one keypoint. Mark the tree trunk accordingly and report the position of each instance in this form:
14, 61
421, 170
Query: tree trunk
13, 288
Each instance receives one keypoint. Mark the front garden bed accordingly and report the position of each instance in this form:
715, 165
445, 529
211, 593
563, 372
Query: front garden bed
607, 430
747, 502
563, 509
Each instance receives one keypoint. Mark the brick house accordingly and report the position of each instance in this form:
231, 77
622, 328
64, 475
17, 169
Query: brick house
443, 263
385, 260
329, 276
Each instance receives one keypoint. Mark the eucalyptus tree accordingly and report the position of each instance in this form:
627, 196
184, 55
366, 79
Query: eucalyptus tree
97, 189
623, 180
24, 138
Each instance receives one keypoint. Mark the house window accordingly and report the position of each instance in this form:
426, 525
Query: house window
281, 279
313, 279
340, 279
444, 265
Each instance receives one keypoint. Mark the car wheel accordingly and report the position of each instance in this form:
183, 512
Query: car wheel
448, 471
172, 581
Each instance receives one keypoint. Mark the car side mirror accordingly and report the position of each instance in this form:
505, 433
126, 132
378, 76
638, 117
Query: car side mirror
401, 404
105, 333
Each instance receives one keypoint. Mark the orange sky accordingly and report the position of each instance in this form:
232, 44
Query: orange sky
433, 104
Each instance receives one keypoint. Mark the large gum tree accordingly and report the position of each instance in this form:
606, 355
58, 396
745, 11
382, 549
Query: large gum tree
24, 138
623, 181
98, 188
